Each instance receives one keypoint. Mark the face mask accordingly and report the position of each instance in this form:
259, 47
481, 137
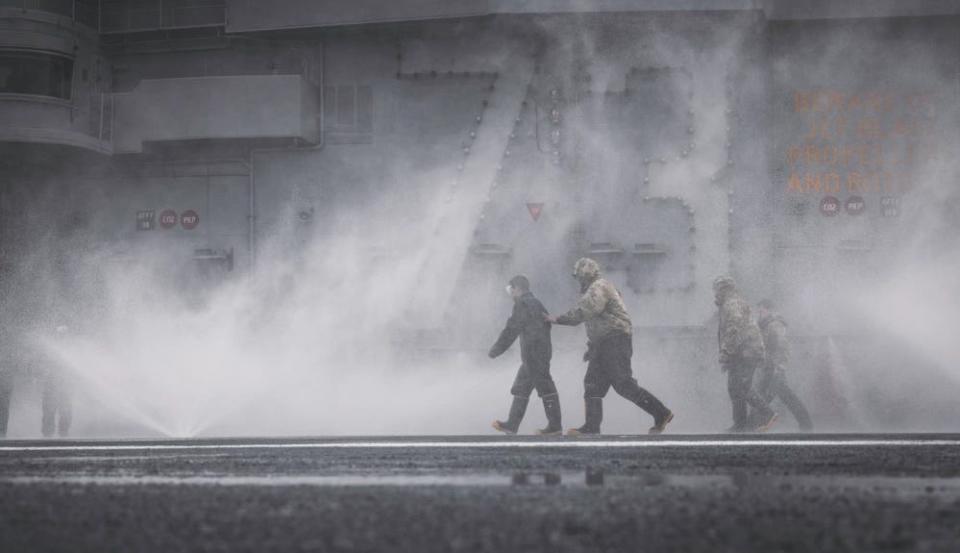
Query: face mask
509, 290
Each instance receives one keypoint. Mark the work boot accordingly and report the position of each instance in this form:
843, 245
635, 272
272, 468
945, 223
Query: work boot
517, 409
649, 403
594, 416
766, 420
740, 423
551, 406
661, 424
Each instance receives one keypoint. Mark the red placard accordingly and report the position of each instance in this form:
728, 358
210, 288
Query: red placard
535, 210
168, 219
189, 219
855, 205
830, 206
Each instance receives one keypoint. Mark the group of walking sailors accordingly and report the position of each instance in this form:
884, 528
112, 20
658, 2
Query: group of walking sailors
747, 346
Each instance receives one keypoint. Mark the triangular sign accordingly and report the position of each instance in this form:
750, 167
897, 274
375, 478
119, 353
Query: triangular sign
535, 209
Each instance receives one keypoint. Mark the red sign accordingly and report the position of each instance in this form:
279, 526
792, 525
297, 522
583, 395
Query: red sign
168, 218
535, 209
854, 205
189, 219
829, 206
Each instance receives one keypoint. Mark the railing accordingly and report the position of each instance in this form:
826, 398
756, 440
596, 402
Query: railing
86, 12
125, 16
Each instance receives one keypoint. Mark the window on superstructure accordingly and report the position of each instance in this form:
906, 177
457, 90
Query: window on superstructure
36, 74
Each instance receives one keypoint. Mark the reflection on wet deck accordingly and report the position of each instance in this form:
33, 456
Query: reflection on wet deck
591, 477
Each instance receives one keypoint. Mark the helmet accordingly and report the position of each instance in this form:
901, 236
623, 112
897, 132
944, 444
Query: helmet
586, 269
723, 283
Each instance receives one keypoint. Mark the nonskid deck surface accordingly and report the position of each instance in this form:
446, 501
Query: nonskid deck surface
487, 441
823, 492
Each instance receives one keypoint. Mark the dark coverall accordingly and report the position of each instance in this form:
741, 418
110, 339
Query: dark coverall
773, 382
57, 403
8, 362
740, 372
6, 391
529, 324
608, 366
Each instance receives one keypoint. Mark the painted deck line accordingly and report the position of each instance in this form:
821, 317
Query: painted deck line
553, 444
400, 480
888, 484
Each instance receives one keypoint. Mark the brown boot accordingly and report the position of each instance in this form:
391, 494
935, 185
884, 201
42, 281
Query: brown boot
660, 425
517, 409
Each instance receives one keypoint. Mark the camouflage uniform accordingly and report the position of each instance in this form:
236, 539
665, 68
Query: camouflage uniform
600, 306
773, 383
609, 347
528, 322
741, 352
